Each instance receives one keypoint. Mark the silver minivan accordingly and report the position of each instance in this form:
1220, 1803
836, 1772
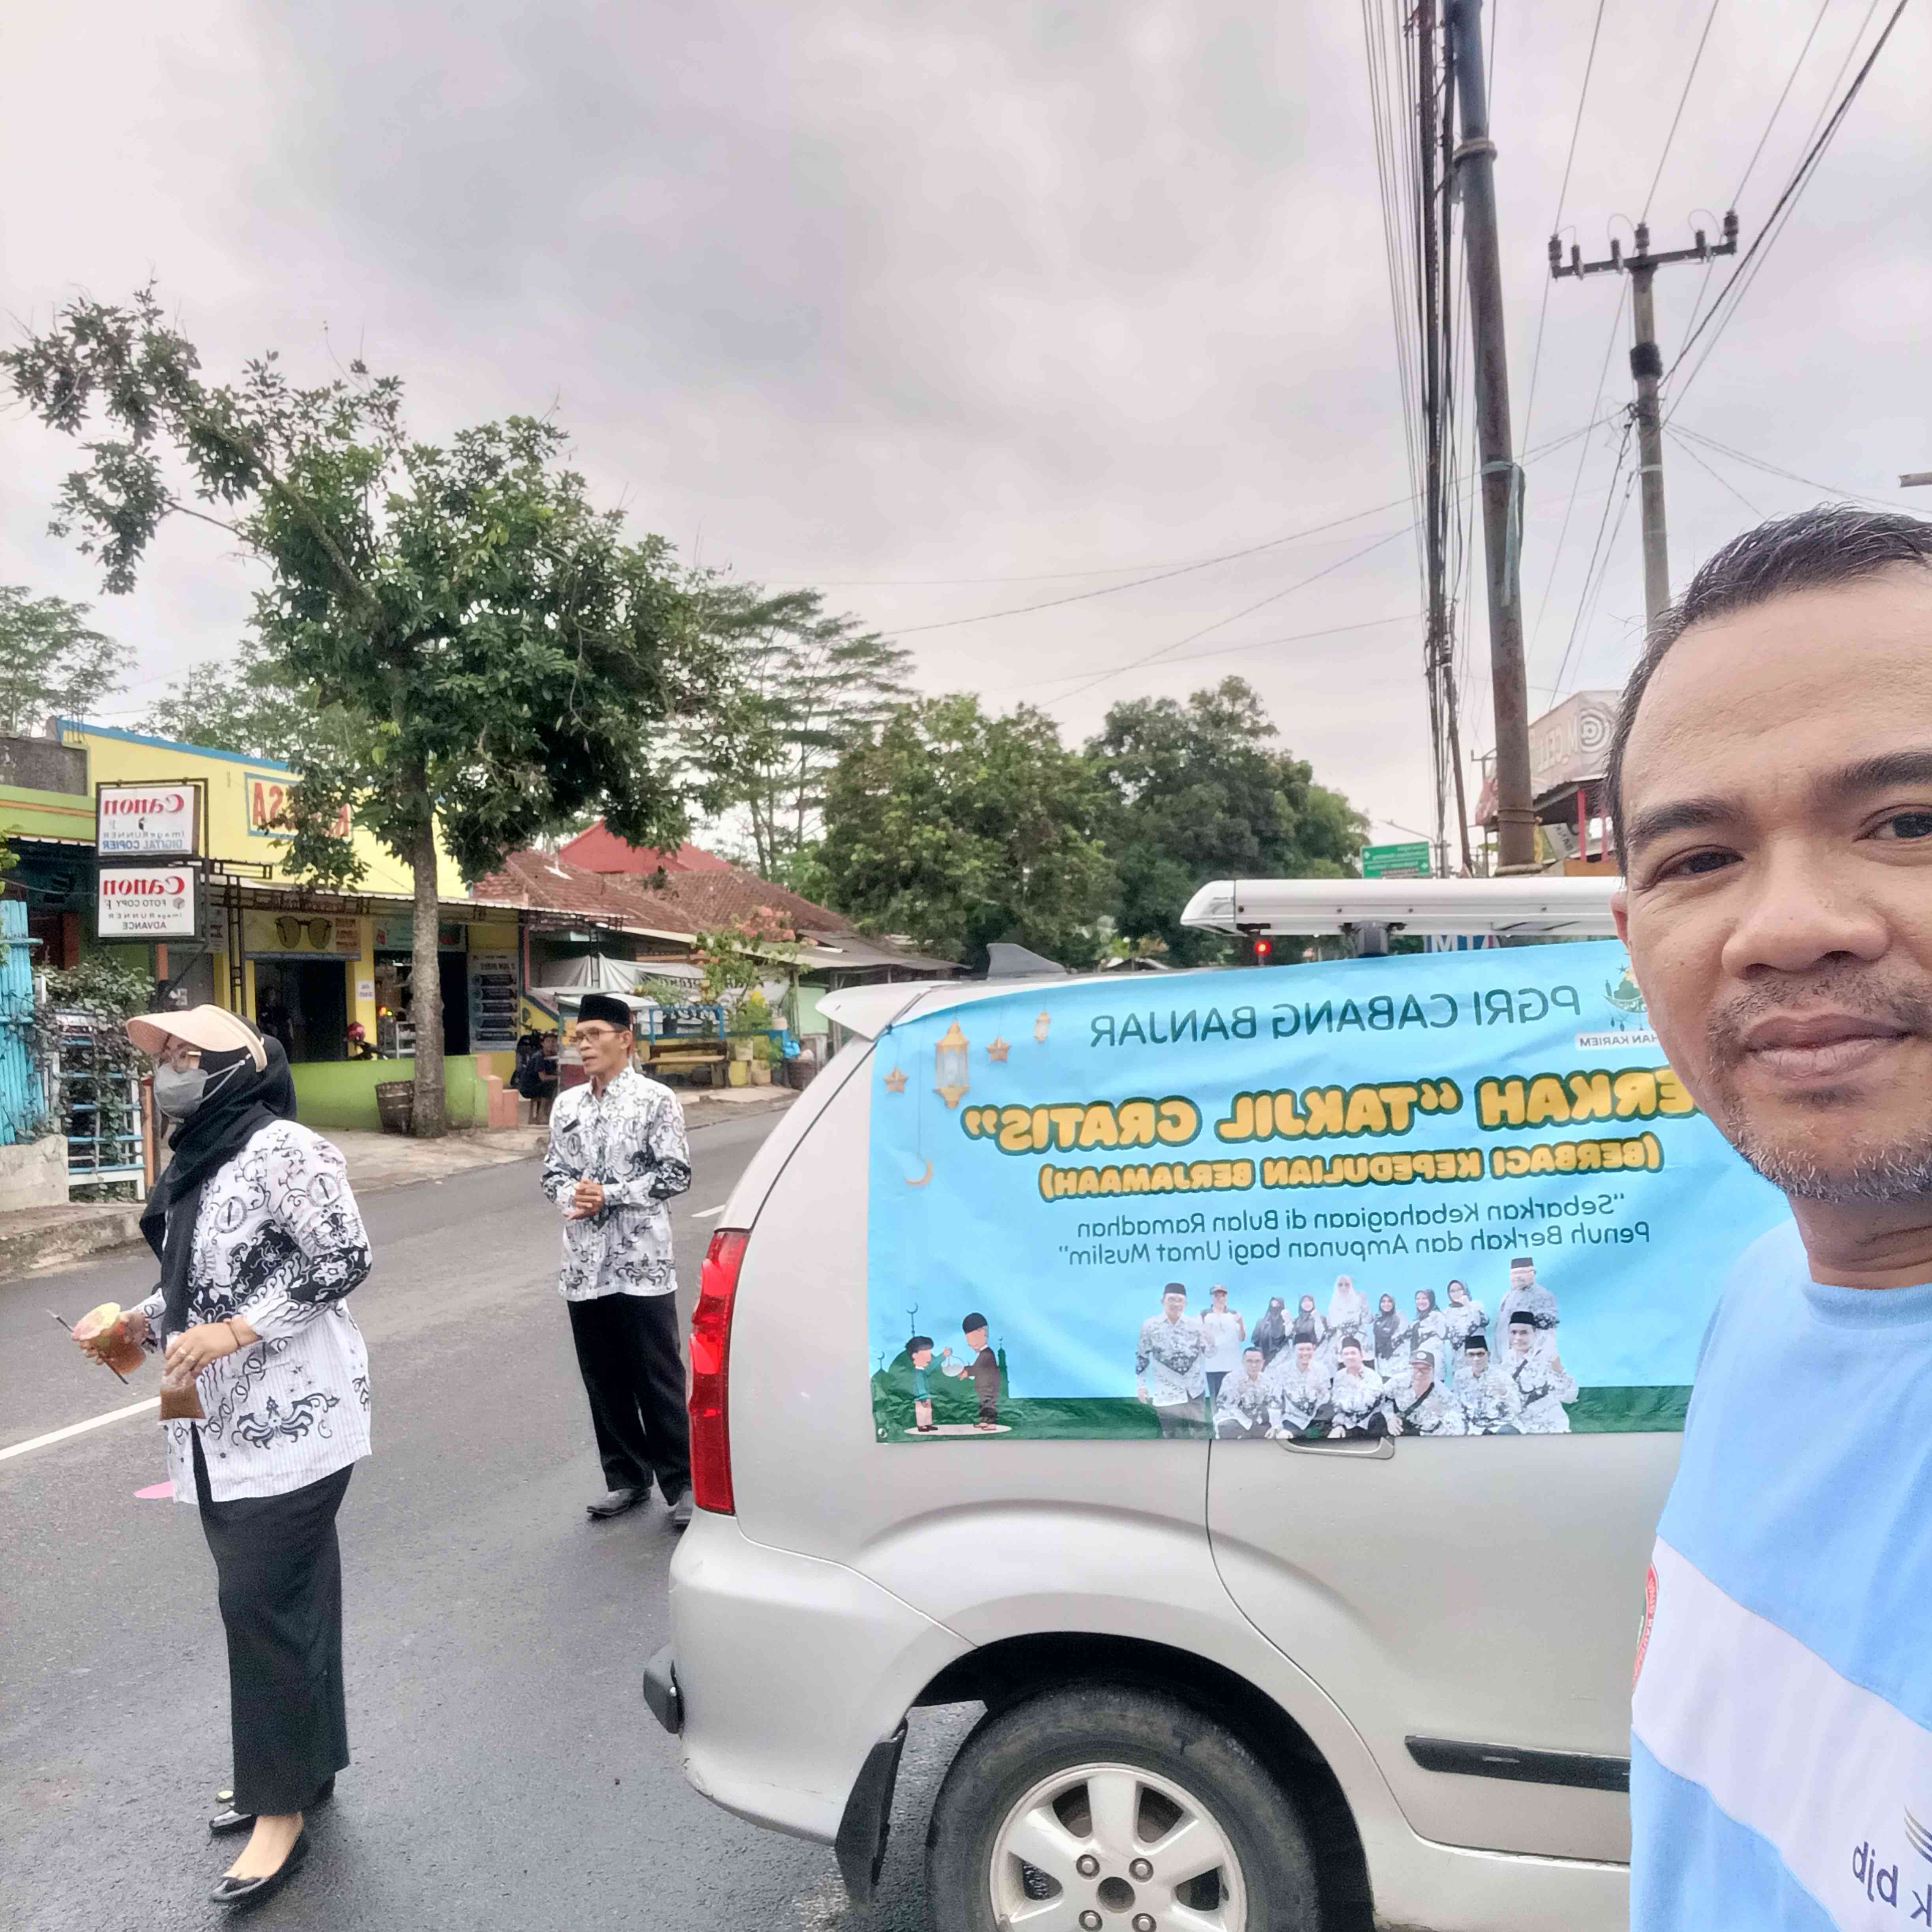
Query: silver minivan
1254, 1689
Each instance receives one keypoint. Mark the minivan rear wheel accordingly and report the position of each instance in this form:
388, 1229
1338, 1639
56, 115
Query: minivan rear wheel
1105, 1807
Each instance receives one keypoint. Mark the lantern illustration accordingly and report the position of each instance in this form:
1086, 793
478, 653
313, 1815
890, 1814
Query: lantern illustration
949, 1058
1040, 1025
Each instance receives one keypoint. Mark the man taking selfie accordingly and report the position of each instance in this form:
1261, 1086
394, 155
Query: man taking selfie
1772, 780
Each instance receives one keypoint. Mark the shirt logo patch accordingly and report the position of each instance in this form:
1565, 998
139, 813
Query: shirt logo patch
1649, 1617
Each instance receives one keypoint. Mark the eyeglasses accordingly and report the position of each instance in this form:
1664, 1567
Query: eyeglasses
596, 1033
179, 1054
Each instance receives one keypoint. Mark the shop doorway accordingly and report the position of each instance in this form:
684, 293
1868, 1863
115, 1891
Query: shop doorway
304, 1004
395, 1010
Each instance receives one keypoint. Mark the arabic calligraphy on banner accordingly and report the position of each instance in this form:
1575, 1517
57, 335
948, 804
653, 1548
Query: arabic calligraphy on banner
1452, 1194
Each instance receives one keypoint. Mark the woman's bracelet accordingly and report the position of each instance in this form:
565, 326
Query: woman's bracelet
229, 1325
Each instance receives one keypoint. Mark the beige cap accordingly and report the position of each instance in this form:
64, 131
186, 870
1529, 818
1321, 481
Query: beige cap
213, 1029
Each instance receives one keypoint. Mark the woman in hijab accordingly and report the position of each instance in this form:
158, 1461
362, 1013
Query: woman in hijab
1308, 1326
265, 1398
1428, 1330
1271, 1334
1390, 1329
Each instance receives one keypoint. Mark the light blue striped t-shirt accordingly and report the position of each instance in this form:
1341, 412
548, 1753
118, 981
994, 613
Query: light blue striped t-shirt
1781, 1758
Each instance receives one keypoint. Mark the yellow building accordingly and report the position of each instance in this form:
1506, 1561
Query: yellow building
312, 966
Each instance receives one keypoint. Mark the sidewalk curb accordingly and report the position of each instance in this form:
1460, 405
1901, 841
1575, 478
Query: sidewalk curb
66, 1236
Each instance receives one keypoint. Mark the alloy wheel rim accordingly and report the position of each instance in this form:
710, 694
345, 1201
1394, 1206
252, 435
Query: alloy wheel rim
1113, 1847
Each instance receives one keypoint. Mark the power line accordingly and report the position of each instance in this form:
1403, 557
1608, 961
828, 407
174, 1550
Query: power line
1774, 223
1234, 650
1159, 576
1234, 617
1562, 195
1679, 437
1773, 469
1737, 193
1696, 60
1586, 603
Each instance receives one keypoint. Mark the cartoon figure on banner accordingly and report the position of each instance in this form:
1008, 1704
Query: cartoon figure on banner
919, 1349
1541, 1384
1168, 1370
984, 1369
1242, 1403
1487, 1396
1528, 1295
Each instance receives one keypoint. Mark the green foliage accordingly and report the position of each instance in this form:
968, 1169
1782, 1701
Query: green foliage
805, 686
495, 658
1198, 791
737, 959
248, 705
52, 663
104, 986
960, 829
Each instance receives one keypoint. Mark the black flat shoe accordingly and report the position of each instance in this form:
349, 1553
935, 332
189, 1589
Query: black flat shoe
615, 1503
229, 1820
252, 1891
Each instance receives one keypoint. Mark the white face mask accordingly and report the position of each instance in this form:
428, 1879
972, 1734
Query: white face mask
180, 1092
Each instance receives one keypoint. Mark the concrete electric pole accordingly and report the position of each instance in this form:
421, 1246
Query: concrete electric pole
1647, 366
1475, 161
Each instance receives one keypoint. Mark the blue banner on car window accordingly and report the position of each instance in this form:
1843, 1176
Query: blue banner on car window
1453, 1194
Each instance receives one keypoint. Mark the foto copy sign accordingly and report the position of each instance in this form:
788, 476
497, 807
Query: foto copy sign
1313, 1139
147, 902
146, 820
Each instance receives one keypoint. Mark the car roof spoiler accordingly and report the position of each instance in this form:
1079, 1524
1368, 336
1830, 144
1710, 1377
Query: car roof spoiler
1545, 907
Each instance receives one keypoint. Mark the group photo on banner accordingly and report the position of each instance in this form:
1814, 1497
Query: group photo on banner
1452, 1194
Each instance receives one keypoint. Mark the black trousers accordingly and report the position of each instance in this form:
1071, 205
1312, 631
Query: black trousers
279, 1571
627, 1349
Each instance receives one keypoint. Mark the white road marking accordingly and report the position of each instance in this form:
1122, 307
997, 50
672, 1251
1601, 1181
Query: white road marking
80, 1428
709, 1214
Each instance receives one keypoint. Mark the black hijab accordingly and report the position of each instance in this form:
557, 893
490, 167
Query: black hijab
227, 1119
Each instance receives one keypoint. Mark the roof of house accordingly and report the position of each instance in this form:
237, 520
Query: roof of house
598, 849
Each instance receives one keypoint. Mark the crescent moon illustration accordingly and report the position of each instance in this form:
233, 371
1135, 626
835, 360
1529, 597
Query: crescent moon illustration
923, 1178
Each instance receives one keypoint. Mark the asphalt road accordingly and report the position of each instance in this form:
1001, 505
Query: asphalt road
505, 1772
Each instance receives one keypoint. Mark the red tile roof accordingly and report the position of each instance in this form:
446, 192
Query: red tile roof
686, 902
598, 849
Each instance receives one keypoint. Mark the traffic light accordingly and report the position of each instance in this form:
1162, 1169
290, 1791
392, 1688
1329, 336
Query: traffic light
1262, 948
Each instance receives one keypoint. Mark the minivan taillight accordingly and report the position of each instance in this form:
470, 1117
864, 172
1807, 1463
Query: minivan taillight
710, 1371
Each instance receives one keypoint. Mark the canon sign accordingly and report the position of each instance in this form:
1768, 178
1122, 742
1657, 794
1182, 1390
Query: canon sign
145, 821
150, 902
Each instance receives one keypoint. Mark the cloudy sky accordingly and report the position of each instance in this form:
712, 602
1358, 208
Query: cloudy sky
954, 311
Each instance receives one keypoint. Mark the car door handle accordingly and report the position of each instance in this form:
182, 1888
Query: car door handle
1376, 1449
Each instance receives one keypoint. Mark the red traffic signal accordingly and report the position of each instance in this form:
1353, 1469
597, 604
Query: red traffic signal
1262, 948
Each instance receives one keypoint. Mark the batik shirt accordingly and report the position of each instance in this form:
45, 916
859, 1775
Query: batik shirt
1543, 1393
1242, 1403
1489, 1401
1298, 1399
631, 1139
1355, 1398
1169, 1359
1540, 1305
1431, 1413
278, 1243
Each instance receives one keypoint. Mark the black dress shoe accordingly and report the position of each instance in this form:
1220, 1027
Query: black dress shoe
616, 1502
680, 1511
252, 1891
229, 1819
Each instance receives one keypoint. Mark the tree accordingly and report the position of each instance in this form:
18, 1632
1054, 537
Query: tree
499, 659
960, 829
250, 706
808, 685
1198, 791
52, 664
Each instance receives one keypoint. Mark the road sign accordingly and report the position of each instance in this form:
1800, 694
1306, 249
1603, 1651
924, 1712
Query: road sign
1396, 862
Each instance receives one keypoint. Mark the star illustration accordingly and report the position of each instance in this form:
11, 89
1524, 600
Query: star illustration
895, 1081
998, 1050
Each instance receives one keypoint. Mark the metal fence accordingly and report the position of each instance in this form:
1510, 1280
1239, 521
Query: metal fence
22, 1103
98, 1102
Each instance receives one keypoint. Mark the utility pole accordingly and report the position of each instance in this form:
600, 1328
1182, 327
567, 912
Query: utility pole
1475, 161
1438, 648
1646, 362
1911, 480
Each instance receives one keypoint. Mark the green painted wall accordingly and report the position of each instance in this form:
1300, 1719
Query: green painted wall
342, 1093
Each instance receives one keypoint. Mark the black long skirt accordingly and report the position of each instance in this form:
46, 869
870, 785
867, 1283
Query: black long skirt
280, 1568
